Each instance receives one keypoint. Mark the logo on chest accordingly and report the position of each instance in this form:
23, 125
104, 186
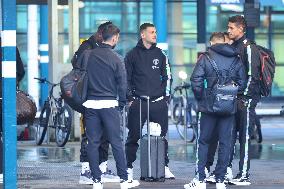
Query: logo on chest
155, 64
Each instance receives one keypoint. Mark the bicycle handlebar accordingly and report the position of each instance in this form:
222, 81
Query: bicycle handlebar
44, 80
184, 86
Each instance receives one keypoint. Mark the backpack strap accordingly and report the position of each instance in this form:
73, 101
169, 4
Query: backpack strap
215, 67
213, 64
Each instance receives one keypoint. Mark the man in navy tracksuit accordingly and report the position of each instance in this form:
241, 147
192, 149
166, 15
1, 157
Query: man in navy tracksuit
85, 177
106, 92
148, 74
225, 57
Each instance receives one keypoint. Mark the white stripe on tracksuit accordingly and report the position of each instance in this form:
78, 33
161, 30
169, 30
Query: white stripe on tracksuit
246, 158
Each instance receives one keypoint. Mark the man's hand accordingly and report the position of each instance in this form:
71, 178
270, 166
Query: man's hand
129, 103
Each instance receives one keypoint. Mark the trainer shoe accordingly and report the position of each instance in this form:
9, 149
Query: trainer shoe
109, 177
195, 184
211, 179
97, 184
130, 180
168, 173
220, 185
125, 184
241, 180
1, 178
86, 177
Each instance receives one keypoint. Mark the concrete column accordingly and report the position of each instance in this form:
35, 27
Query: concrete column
32, 71
53, 38
175, 25
8, 44
73, 46
43, 49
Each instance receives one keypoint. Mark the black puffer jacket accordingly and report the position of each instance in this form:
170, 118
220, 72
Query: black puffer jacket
204, 77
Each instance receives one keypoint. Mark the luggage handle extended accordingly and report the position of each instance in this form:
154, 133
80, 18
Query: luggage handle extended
148, 130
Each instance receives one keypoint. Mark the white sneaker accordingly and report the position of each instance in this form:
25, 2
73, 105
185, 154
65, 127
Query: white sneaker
229, 174
195, 184
168, 173
103, 167
220, 185
1, 178
109, 177
130, 180
125, 184
97, 185
86, 177
211, 178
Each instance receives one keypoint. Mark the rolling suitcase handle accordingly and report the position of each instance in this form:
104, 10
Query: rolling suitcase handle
148, 131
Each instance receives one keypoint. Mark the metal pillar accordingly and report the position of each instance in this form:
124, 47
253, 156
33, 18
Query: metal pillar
270, 29
250, 30
160, 21
32, 35
8, 35
43, 50
201, 26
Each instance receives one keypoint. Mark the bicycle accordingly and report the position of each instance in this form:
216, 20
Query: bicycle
184, 113
54, 114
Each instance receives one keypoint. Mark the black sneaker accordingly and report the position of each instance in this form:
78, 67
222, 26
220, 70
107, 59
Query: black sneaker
241, 180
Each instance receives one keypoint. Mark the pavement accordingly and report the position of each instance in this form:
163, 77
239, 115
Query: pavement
48, 166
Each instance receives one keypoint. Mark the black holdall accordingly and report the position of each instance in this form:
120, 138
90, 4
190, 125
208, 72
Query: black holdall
224, 95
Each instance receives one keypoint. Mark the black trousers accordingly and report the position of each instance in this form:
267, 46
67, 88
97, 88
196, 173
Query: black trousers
103, 149
96, 122
210, 123
158, 113
244, 131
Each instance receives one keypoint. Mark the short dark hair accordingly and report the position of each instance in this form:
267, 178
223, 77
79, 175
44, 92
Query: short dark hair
239, 20
217, 36
98, 35
103, 25
109, 31
145, 26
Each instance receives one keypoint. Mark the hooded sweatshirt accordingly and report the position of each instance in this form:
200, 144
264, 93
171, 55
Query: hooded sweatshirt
148, 72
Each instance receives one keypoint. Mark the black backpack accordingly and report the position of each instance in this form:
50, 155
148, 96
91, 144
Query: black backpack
267, 72
224, 100
74, 85
267, 69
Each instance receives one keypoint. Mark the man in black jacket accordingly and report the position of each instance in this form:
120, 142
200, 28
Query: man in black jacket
85, 177
106, 81
148, 74
247, 100
203, 80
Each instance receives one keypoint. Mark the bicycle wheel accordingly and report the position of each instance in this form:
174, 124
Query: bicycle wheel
63, 126
189, 132
177, 112
41, 128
